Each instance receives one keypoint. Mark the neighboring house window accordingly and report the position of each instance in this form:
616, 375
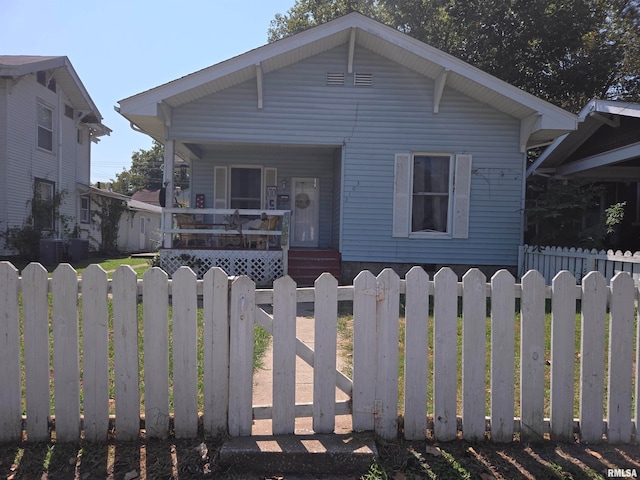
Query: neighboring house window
42, 207
45, 128
68, 111
246, 188
41, 77
431, 195
85, 210
79, 137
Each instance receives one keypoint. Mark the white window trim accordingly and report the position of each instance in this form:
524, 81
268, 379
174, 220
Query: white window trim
83, 220
459, 197
433, 234
40, 103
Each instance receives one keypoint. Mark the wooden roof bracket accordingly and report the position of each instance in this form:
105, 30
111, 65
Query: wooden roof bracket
527, 126
352, 48
438, 88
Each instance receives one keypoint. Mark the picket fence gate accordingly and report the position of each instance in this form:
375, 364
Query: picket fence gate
230, 309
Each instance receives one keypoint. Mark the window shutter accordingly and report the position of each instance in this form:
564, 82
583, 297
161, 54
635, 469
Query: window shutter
220, 189
401, 195
461, 195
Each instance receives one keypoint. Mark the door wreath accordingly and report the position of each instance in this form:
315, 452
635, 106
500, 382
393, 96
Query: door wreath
302, 200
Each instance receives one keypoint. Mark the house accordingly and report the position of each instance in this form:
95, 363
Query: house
138, 228
605, 148
47, 125
367, 142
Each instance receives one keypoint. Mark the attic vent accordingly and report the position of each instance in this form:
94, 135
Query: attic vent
363, 79
334, 79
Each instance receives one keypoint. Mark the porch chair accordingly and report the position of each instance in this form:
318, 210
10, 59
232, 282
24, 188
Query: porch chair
187, 221
262, 241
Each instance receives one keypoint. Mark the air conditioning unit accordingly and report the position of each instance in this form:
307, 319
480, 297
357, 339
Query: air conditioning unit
51, 251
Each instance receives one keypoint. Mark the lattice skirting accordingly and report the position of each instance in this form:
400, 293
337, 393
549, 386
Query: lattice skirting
262, 266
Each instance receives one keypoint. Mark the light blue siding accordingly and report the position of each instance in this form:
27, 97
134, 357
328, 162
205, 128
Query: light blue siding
371, 125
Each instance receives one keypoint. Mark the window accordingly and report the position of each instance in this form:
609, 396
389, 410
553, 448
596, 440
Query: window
41, 78
42, 208
45, 128
246, 188
431, 195
85, 210
68, 111
79, 137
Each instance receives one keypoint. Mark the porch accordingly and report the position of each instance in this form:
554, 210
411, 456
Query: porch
241, 241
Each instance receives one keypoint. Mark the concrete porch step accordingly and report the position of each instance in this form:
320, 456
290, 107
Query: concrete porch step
328, 454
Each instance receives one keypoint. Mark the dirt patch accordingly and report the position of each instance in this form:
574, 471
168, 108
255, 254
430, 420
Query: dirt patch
188, 459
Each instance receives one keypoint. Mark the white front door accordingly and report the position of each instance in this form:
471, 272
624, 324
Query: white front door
305, 212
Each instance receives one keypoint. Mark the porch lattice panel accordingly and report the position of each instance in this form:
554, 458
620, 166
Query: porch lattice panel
263, 267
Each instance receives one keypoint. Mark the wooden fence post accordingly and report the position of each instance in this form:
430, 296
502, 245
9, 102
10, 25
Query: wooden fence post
324, 364
416, 355
284, 356
445, 353
216, 350
502, 353
592, 355
35, 309
243, 309
185, 347
532, 357
155, 303
66, 362
365, 351
125, 349
95, 353
620, 359
474, 334
10, 397
563, 330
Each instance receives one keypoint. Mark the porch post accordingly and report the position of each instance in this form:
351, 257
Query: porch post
167, 218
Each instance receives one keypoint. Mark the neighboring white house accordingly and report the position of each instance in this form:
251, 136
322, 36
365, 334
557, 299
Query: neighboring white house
47, 125
138, 228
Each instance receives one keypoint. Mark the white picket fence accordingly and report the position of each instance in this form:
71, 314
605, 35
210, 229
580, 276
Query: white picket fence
551, 260
230, 309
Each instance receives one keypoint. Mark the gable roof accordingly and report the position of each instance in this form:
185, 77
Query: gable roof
593, 116
16, 66
542, 122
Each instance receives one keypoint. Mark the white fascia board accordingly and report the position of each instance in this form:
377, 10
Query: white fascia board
612, 107
543, 156
611, 157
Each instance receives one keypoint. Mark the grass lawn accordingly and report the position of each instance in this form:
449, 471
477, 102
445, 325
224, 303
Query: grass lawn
108, 264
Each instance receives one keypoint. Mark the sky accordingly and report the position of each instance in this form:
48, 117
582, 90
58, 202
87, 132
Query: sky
123, 47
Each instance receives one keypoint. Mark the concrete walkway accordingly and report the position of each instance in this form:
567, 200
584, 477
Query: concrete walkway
263, 380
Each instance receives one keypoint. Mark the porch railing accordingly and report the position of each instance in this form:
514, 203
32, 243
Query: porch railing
215, 223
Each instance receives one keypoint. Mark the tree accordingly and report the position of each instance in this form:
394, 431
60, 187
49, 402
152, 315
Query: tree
146, 172
566, 51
